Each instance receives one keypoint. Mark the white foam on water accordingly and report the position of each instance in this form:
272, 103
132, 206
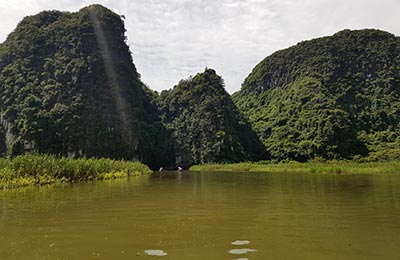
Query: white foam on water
155, 252
240, 242
241, 251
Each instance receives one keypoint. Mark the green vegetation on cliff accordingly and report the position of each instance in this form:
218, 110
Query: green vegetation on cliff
333, 97
68, 86
205, 124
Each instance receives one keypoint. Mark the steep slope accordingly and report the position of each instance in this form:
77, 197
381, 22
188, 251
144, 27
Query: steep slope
68, 86
205, 123
332, 97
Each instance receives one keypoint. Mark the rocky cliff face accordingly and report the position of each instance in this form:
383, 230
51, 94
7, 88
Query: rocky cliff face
205, 124
69, 86
332, 97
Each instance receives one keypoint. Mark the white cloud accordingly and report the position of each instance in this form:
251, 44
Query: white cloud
172, 39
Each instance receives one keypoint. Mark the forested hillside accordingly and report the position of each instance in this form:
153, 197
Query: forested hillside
205, 124
333, 97
68, 86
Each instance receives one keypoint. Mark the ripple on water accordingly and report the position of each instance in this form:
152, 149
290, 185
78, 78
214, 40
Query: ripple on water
155, 252
240, 242
241, 251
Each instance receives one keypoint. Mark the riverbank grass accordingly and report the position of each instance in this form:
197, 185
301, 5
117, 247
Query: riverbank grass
45, 169
331, 167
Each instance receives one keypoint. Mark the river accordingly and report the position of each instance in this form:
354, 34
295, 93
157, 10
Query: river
206, 215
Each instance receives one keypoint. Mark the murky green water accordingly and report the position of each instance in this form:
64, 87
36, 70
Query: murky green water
206, 216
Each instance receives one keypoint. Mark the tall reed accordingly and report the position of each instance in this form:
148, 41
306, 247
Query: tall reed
42, 169
337, 167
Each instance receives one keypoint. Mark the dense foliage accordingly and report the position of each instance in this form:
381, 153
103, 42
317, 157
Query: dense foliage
68, 86
332, 97
205, 123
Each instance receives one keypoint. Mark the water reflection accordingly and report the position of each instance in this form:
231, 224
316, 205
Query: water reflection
199, 215
177, 176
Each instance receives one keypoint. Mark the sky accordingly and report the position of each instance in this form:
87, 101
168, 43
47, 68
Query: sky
174, 39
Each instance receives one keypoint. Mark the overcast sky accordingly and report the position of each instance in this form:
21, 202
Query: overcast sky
173, 39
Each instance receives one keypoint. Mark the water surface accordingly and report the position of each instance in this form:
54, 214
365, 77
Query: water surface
206, 216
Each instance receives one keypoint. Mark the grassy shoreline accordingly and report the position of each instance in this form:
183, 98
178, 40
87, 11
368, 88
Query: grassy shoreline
330, 167
27, 170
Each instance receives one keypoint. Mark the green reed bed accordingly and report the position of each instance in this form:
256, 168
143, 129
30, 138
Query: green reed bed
44, 169
335, 167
